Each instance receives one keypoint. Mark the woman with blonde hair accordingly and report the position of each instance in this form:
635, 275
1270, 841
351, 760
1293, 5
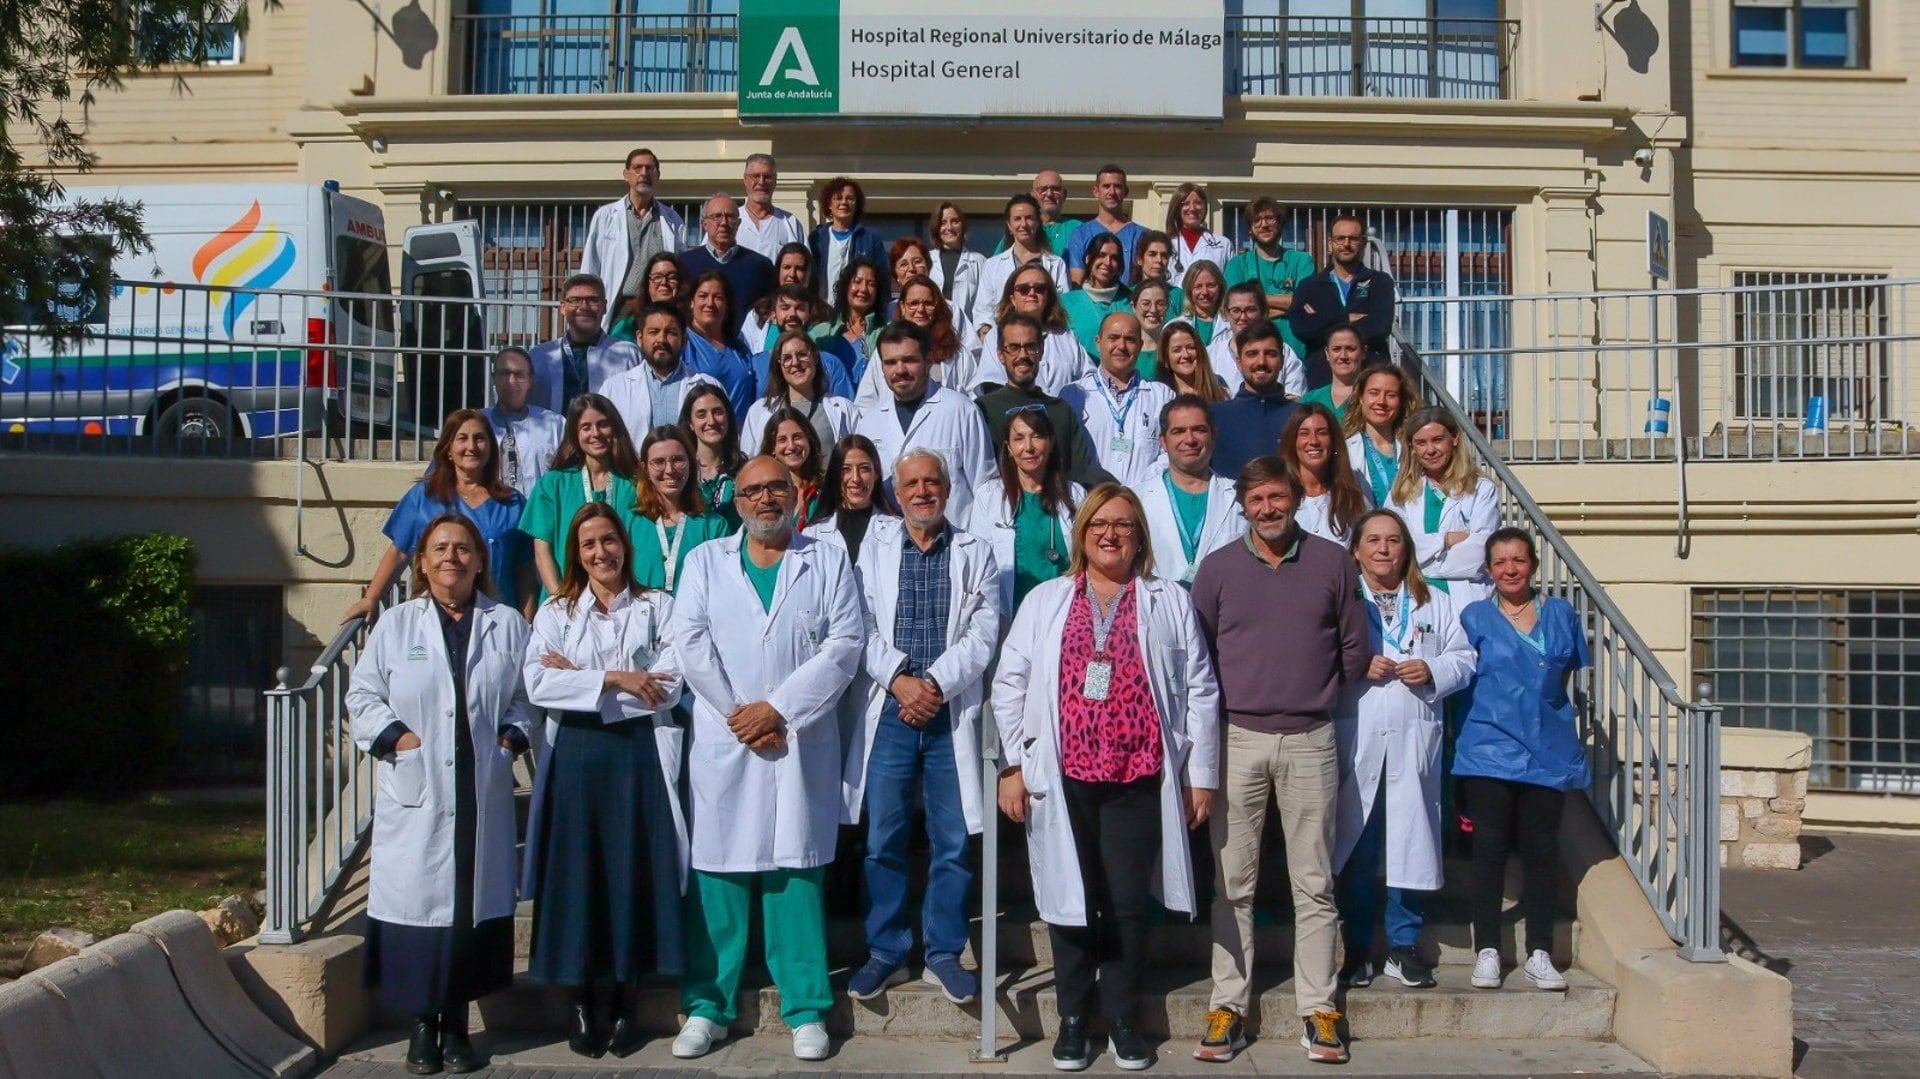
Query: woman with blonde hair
1449, 506
1390, 733
1109, 723
1383, 395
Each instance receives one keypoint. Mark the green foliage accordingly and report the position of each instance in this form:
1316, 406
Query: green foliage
96, 639
56, 56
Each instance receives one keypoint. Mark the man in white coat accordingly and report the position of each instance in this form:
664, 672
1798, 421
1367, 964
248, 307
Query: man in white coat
627, 232
526, 433
769, 628
1119, 410
1190, 511
650, 394
582, 359
921, 413
935, 598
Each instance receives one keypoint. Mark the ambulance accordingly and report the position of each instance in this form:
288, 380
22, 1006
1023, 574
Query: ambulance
263, 310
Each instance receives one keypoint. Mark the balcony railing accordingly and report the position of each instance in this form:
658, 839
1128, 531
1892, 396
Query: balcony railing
1266, 55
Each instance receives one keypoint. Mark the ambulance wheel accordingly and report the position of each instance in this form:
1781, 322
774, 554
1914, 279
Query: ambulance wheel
196, 425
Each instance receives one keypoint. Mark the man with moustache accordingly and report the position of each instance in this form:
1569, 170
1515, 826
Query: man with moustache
1282, 615
918, 412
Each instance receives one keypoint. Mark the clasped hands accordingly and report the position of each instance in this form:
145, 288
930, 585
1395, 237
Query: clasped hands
1413, 672
919, 700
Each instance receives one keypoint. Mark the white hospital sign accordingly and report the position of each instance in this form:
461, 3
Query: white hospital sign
993, 59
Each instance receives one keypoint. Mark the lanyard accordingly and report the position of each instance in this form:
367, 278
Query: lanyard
1103, 620
1118, 408
1381, 470
672, 549
1399, 634
1189, 538
587, 493
1345, 285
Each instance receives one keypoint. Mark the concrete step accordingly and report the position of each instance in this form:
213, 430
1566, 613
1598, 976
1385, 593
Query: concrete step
1025, 942
1173, 1005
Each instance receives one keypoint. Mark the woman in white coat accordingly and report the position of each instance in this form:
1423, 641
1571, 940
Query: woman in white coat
1109, 730
1383, 395
1448, 505
1188, 215
1387, 816
606, 837
954, 268
1314, 450
1026, 244
796, 379
1031, 291
437, 699
1026, 512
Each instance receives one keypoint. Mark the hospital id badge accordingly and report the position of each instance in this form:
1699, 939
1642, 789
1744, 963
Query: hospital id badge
1098, 681
1120, 444
642, 658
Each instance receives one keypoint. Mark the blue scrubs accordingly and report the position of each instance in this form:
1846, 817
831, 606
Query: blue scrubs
1519, 722
498, 520
725, 364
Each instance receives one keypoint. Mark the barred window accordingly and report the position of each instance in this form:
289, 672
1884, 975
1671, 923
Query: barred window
1820, 335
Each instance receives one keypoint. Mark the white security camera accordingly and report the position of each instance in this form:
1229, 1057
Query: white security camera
1643, 157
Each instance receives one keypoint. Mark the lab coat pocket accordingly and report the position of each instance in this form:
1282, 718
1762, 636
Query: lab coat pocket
406, 777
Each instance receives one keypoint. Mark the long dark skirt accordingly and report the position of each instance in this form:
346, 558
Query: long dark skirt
605, 870
426, 969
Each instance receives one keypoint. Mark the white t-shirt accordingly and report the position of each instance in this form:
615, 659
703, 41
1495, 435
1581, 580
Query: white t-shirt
768, 237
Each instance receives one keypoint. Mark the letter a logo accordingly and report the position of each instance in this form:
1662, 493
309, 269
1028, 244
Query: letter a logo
802, 69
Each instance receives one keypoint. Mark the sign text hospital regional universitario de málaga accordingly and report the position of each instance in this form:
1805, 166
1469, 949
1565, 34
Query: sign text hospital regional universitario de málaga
985, 59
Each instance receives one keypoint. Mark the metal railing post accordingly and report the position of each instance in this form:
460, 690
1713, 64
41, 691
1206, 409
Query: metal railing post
1703, 884
281, 925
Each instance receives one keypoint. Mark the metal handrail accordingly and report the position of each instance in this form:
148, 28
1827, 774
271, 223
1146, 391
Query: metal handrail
319, 786
1656, 754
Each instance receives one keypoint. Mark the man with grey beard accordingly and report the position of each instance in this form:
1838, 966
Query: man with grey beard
935, 597
768, 628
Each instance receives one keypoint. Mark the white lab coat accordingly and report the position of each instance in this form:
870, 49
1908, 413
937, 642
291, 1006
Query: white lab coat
1026, 708
403, 676
608, 247
1315, 515
841, 416
1226, 364
948, 423
768, 237
992, 519
1062, 362
1223, 523
966, 288
850, 712
1138, 429
1212, 246
536, 436
606, 358
1462, 566
632, 390
973, 630
597, 644
1395, 728
755, 812
993, 284
955, 373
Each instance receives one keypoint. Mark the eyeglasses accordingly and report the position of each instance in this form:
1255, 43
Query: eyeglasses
584, 301
1346, 239
662, 278
757, 491
1125, 526
1032, 406
1029, 289
1031, 348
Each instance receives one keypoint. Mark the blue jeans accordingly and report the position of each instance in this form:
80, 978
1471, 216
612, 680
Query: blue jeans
1359, 890
902, 759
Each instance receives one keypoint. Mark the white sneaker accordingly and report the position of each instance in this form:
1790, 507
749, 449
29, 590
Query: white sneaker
810, 1041
698, 1038
1486, 969
1541, 973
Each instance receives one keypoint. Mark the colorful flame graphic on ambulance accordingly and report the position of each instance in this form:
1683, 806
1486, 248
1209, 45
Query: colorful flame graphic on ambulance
243, 255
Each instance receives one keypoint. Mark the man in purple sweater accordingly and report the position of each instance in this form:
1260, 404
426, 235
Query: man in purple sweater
1282, 614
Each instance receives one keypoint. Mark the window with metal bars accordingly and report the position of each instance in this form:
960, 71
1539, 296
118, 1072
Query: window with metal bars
1449, 253
1839, 665
230, 663
1822, 338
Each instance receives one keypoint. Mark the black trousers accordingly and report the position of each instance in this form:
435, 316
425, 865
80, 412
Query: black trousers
1116, 833
1508, 816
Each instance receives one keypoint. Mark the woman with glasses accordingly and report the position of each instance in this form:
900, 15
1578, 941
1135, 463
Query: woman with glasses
663, 281
793, 266
1315, 451
1100, 294
1026, 512
1031, 291
907, 257
1181, 362
789, 439
707, 415
1026, 243
596, 463
797, 379
1189, 215
1151, 304
1109, 727
668, 518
